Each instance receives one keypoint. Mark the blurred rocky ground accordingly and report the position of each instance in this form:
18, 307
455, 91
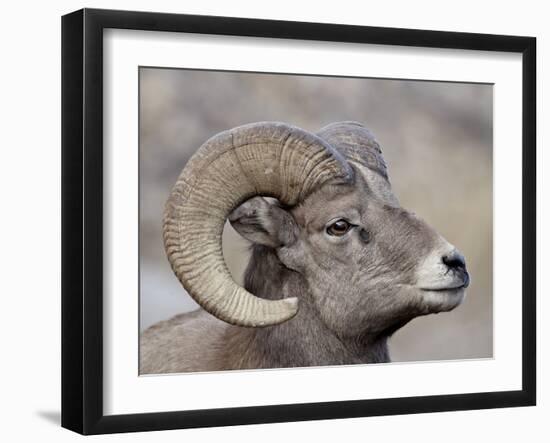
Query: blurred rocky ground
437, 141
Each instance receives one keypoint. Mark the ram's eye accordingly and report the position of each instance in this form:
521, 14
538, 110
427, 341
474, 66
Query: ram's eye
339, 228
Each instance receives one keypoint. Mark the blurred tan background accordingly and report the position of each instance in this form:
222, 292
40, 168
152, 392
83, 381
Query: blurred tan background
436, 138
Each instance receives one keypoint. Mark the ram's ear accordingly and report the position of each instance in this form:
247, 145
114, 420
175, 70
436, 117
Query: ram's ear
263, 221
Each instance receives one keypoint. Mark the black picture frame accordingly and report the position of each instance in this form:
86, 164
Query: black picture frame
82, 220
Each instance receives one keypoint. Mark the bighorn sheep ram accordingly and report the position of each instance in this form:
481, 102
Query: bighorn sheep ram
337, 266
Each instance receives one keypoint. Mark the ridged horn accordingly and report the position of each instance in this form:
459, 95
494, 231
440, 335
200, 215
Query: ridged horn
360, 148
267, 158
356, 143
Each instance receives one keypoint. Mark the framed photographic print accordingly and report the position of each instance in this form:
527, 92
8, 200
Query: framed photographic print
269, 221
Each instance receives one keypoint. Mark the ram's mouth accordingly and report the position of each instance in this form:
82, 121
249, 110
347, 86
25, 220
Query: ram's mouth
443, 299
446, 288
460, 284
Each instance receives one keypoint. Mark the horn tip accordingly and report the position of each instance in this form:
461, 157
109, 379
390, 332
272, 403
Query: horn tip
291, 305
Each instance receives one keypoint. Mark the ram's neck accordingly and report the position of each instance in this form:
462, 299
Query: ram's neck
303, 341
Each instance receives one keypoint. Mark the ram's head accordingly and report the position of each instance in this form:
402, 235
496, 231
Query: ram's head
332, 218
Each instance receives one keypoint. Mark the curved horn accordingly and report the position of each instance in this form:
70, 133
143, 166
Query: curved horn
359, 146
271, 159
356, 143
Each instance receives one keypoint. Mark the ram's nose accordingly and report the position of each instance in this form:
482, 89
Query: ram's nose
455, 262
